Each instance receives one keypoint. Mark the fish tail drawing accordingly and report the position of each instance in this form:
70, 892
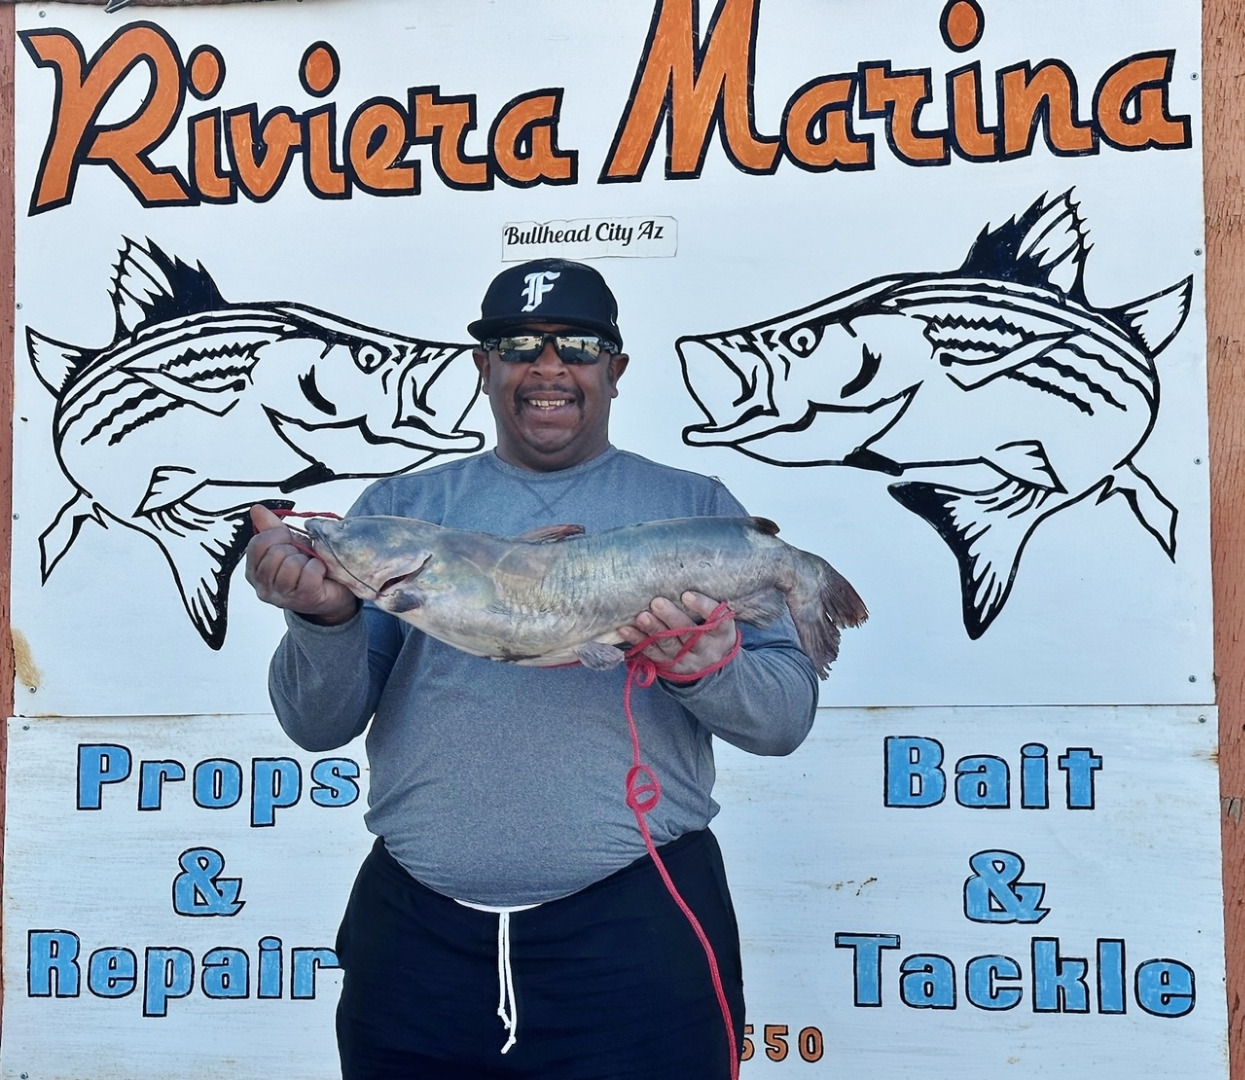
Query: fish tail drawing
203, 549
986, 531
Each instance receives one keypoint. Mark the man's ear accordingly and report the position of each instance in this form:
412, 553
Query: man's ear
481, 361
618, 364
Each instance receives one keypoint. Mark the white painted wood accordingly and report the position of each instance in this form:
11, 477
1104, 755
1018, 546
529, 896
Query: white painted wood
1098, 612
813, 852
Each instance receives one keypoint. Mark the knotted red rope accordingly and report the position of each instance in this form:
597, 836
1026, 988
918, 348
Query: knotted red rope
644, 789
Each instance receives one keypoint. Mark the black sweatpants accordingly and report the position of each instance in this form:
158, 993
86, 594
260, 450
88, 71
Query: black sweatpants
609, 983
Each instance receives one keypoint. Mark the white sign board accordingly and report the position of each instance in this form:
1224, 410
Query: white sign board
947, 889
920, 281
924, 287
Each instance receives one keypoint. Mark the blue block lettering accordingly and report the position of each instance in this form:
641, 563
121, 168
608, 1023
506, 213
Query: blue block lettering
305, 963
913, 773
226, 974
170, 973
334, 778
217, 784
995, 892
52, 956
981, 979
1034, 777
927, 982
1080, 763
151, 778
1165, 987
98, 765
1111, 976
982, 782
1058, 982
275, 783
270, 967
112, 972
867, 964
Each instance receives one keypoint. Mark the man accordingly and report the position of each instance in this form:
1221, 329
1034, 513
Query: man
508, 865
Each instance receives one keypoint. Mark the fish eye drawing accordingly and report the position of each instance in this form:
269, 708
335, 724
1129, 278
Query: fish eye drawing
199, 408
1002, 362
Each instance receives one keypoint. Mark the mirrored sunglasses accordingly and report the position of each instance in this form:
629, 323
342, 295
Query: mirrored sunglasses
571, 348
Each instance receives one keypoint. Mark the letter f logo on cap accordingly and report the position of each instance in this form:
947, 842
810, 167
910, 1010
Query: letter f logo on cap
535, 287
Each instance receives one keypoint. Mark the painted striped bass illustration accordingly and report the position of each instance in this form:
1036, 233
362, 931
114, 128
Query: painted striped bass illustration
199, 408
1002, 363
559, 595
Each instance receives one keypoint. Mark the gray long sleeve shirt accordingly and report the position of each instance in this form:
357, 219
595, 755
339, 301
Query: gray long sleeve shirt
502, 784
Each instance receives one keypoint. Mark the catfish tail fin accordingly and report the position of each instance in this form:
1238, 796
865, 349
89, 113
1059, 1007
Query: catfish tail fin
822, 601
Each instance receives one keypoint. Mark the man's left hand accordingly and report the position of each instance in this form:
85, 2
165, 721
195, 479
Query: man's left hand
662, 614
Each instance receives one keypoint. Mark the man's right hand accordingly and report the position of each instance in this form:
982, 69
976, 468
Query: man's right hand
288, 578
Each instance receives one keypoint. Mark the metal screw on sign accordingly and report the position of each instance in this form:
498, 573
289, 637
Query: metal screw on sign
1192, 678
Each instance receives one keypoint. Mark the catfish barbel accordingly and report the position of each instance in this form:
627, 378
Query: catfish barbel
559, 595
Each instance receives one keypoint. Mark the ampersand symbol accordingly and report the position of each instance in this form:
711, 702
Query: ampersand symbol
995, 894
199, 889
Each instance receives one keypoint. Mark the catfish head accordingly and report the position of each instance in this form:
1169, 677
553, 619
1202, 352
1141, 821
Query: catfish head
366, 402
394, 562
809, 387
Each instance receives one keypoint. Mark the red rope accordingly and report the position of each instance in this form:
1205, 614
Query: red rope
297, 544
642, 797
307, 513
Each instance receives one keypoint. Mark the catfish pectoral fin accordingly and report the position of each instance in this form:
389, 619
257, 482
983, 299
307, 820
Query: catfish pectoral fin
759, 608
597, 656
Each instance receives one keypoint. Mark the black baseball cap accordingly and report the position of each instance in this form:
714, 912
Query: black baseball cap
549, 291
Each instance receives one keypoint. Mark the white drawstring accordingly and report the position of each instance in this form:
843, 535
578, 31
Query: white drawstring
507, 1007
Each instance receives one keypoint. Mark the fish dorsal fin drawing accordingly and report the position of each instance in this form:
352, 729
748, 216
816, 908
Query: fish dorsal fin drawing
150, 287
1044, 247
551, 534
1154, 320
55, 363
